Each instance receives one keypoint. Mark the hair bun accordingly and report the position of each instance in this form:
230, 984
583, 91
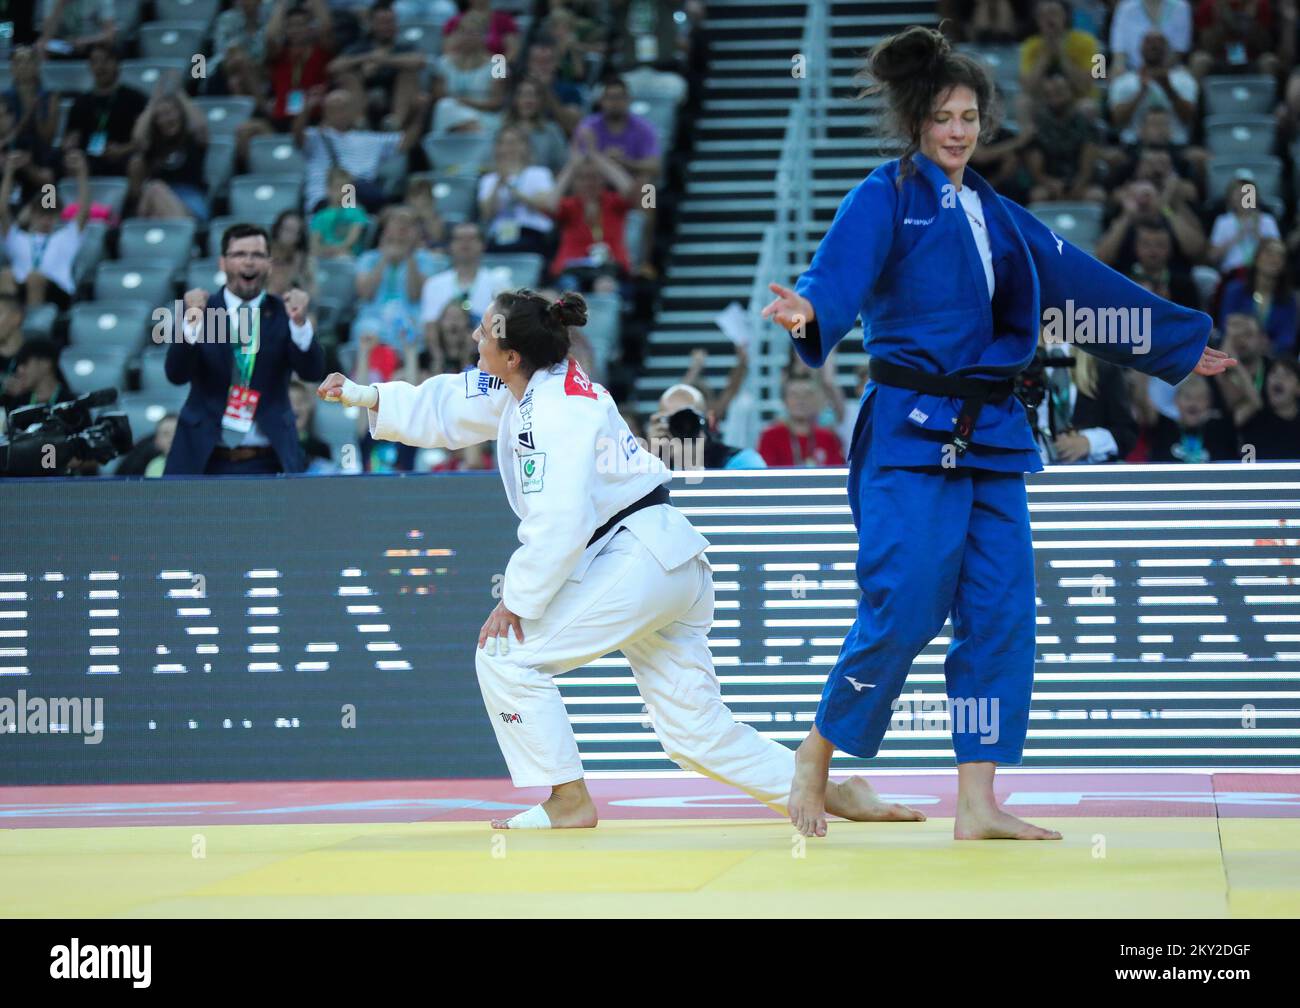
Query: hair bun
569, 310
916, 51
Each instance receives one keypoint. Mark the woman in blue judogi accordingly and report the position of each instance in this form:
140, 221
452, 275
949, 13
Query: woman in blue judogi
952, 283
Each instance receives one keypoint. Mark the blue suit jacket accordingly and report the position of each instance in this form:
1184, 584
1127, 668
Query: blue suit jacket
906, 261
208, 368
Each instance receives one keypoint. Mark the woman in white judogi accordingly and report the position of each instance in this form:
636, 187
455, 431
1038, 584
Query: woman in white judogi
605, 563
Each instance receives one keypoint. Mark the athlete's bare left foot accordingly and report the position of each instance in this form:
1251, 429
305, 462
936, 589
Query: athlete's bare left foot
988, 822
856, 799
812, 761
568, 807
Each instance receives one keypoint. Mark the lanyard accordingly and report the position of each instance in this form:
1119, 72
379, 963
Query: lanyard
246, 350
796, 448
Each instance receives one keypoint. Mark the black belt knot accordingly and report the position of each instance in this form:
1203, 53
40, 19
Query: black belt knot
973, 393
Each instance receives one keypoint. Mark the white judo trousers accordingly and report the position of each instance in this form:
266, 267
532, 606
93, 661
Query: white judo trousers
660, 620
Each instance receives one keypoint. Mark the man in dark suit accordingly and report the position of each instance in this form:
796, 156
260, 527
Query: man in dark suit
237, 349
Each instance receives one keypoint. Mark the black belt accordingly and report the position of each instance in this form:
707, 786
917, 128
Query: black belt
973, 393
659, 495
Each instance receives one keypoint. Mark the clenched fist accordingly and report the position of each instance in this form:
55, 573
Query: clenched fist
295, 303
340, 389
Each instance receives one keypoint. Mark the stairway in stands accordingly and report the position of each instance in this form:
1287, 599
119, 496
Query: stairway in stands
729, 195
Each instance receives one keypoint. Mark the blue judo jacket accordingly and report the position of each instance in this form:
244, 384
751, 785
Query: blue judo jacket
906, 261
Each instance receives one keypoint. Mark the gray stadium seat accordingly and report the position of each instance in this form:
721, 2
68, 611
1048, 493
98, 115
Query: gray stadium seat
457, 154
261, 198
276, 155
144, 411
662, 115
90, 367
336, 425
186, 10
123, 324
118, 281
157, 241
91, 252
338, 276
6, 75
456, 198
106, 189
225, 115
67, 76
127, 16
1266, 172
204, 273
1240, 135
1077, 223
218, 164
1246, 95
424, 36
40, 320
524, 268
216, 228
602, 330
153, 372
172, 39
144, 74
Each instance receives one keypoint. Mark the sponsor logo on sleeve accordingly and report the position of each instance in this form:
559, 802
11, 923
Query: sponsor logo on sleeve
479, 383
532, 470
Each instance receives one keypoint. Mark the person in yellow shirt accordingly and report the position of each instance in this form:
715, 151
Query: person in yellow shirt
1057, 45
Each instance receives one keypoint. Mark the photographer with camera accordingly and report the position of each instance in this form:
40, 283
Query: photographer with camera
1078, 406
682, 434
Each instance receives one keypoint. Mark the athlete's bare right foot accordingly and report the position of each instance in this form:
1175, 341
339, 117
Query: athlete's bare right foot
855, 799
807, 806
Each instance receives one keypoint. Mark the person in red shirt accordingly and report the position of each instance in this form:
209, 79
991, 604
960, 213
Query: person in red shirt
502, 33
796, 440
591, 218
299, 45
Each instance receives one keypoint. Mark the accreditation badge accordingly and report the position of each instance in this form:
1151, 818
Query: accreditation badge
241, 404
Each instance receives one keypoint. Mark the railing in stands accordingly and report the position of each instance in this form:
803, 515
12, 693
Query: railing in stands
784, 248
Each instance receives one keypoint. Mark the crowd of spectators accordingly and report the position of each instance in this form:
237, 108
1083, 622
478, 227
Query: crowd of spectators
408, 158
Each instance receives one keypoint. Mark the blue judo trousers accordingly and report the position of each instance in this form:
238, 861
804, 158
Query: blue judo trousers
939, 533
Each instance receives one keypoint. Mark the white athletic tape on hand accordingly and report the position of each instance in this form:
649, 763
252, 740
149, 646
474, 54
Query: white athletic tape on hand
352, 394
533, 818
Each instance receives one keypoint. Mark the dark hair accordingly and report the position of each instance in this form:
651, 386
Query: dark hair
614, 81
38, 349
913, 68
1290, 363
538, 329
280, 218
1282, 285
237, 231
105, 47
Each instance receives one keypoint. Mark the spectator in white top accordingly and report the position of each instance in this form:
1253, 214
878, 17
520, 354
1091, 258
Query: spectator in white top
516, 199
1237, 232
1134, 19
470, 89
71, 27
1159, 83
465, 282
360, 153
41, 253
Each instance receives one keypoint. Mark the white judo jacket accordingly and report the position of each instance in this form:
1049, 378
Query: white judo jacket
568, 461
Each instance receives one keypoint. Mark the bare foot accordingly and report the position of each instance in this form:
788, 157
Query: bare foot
565, 810
857, 800
808, 788
991, 823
